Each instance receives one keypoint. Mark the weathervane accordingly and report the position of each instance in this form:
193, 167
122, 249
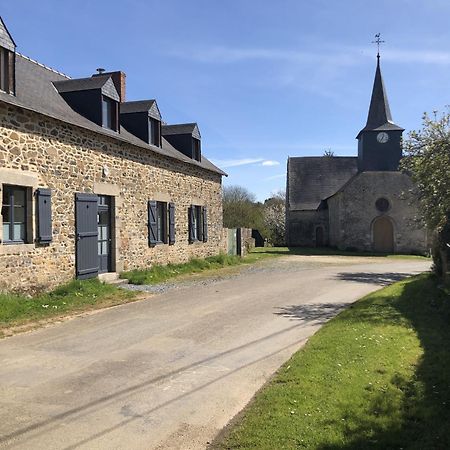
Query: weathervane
378, 41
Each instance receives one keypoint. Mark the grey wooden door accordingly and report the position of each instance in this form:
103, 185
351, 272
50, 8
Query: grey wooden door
86, 233
104, 233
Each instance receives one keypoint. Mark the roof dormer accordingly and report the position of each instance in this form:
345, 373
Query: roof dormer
143, 119
95, 98
7, 60
185, 138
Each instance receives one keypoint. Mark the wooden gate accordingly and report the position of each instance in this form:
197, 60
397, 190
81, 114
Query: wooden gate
86, 231
383, 235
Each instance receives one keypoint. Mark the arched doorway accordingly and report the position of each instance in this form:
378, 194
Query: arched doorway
320, 240
383, 235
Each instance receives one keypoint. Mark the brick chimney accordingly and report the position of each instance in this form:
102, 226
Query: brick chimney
119, 80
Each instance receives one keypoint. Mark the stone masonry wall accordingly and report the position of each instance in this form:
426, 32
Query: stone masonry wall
37, 151
353, 211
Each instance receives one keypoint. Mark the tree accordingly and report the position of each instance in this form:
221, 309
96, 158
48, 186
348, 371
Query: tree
427, 160
240, 209
274, 218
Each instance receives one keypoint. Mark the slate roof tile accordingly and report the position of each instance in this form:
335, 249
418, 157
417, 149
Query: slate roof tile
35, 91
313, 179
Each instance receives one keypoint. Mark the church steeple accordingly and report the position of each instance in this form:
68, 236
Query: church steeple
379, 117
379, 146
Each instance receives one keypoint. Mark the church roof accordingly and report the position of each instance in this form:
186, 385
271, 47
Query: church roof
379, 117
313, 179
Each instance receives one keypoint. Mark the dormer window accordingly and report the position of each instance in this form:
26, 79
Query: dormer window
143, 119
109, 113
6, 71
7, 60
196, 149
95, 98
185, 137
154, 132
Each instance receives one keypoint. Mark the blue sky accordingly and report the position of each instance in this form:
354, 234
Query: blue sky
264, 80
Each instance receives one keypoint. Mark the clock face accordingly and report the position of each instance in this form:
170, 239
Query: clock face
382, 137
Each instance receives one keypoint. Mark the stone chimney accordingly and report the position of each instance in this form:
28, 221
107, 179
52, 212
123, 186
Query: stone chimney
119, 80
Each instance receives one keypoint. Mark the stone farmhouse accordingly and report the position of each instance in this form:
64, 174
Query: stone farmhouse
93, 184
360, 203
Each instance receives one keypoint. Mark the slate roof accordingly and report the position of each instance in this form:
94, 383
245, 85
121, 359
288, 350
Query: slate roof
136, 106
379, 117
182, 128
313, 179
6, 39
81, 84
35, 91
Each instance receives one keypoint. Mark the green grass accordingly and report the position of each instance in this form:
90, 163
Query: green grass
307, 251
159, 273
72, 297
375, 377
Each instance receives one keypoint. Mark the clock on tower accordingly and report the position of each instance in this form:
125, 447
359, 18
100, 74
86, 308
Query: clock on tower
379, 142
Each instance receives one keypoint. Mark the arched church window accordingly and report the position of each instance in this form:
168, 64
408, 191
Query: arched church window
382, 204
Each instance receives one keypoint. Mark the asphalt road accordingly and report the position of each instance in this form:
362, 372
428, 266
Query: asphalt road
172, 370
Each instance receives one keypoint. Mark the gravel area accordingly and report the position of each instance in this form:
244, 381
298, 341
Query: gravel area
291, 263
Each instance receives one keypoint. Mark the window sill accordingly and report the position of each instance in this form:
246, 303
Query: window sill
12, 248
197, 242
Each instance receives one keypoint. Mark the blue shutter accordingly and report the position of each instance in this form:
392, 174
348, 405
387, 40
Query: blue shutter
44, 216
171, 224
205, 224
191, 220
152, 223
86, 228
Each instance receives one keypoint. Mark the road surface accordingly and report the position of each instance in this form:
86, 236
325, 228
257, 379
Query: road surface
170, 371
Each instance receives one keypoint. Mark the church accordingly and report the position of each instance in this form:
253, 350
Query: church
362, 203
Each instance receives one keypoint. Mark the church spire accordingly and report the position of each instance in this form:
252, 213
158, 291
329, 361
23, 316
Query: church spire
379, 117
379, 111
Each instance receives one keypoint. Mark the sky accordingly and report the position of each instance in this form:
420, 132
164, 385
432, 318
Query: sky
264, 80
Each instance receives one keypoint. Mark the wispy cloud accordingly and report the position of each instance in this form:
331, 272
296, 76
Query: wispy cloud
270, 162
323, 55
227, 55
226, 163
275, 177
420, 57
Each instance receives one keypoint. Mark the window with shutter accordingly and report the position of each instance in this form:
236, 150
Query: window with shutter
192, 224
197, 227
205, 224
15, 215
171, 223
44, 216
157, 222
152, 223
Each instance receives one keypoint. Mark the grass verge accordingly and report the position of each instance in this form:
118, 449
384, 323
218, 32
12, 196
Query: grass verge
308, 251
375, 377
159, 273
76, 296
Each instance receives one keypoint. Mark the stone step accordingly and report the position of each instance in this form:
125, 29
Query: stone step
112, 278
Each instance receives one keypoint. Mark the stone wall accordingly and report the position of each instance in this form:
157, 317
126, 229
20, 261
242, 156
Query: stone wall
352, 213
301, 227
37, 151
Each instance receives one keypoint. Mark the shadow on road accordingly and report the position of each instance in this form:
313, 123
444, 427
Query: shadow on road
317, 312
380, 279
